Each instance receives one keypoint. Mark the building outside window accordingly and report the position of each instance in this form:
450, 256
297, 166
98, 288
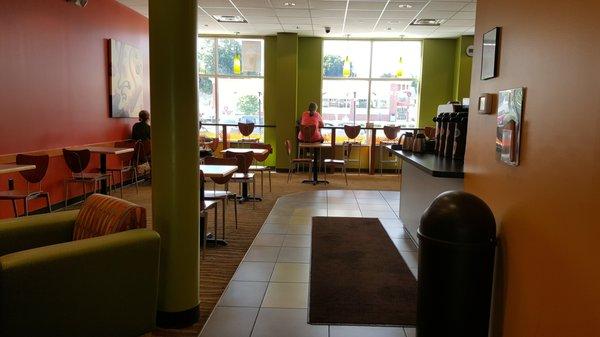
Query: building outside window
230, 83
371, 81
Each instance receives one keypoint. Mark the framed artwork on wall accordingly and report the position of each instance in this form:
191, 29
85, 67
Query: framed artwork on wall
126, 80
489, 54
509, 125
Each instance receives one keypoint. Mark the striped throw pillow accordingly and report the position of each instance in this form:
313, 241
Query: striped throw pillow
102, 215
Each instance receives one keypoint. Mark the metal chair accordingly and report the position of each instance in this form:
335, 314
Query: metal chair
225, 195
262, 168
77, 161
34, 176
295, 161
246, 130
205, 205
242, 175
340, 162
391, 133
127, 164
352, 131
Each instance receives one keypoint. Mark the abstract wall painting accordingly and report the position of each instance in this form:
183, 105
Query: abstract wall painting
126, 80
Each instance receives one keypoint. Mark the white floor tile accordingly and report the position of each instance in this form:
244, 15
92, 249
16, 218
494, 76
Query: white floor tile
291, 272
254, 271
297, 241
286, 295
230, 322
294, 254
262, 254
365, 331
286, 323
266, 239
243, 294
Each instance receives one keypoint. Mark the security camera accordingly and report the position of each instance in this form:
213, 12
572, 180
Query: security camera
327, 30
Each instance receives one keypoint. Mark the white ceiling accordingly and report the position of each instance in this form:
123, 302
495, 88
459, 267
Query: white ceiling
364, 18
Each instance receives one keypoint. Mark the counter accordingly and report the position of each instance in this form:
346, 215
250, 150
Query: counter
424, 177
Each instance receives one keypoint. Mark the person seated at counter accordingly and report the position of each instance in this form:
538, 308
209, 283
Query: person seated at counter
141, 129
312, 117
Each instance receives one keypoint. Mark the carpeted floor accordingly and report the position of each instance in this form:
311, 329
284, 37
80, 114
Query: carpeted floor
220, 263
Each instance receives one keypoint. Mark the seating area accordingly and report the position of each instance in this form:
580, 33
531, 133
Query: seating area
331, 168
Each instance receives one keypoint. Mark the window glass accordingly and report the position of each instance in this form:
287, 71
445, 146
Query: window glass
394, 102
346, 59
206, 56
241, 100
345, 102
396, 59
240, 57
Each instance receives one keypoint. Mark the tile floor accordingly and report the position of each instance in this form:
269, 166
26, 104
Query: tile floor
268, 295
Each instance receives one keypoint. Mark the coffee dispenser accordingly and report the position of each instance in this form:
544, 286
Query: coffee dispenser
460, 137
446, 122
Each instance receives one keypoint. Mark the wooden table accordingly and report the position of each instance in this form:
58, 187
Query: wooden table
244, 150
245, 196
12, 168
216, 171
103, 151
317, 153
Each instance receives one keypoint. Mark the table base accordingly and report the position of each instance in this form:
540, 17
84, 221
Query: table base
210, 239
248, 198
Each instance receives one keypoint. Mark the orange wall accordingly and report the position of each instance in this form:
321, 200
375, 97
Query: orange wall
548, 275
54, 85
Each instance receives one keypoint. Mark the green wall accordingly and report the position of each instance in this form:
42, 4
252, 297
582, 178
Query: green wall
271, 96
310, 70
286, 93
437, 79
462, 68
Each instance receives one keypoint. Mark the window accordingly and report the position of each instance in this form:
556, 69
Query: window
231, 83
371, 81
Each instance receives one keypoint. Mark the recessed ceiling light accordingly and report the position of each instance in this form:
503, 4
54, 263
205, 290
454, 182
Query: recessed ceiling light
426, 22
405, 6
230, 18
289, 4
389, 28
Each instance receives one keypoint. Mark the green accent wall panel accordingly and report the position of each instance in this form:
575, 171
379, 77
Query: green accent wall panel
462, 68
286, 93
271, 96
437, 77
310, 70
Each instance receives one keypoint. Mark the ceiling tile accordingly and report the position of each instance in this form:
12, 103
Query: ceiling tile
299, 4
464, 15
296, 13
459, 23
447, 6
472, 7
336, 5
399, 14
415, 6
327, 14
435, 14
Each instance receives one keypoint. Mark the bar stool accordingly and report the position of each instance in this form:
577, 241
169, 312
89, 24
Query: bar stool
352, 131
34, 176
246, 130
391, 132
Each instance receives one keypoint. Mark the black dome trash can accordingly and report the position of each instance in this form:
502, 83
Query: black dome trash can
457, 241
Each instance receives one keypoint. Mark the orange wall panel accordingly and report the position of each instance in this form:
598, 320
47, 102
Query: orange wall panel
548, 272
54, 84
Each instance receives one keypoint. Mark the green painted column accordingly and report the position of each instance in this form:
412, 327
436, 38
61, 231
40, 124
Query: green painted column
271, 97
462, 68
437, 77
175, 197
287, 93
310, 72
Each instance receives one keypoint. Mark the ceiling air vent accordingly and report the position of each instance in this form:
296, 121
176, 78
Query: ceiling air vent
426, 22
230, 18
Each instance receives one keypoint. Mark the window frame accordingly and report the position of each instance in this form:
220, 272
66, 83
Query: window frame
215, 75
371, 79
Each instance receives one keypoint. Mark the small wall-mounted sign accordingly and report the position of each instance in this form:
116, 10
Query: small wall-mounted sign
484, 106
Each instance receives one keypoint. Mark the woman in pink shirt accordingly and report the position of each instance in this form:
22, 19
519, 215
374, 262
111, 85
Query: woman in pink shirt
312, 117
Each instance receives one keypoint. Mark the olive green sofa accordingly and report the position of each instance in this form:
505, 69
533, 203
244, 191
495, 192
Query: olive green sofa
52, 286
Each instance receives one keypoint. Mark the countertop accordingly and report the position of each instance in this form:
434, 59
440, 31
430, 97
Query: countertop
436, 166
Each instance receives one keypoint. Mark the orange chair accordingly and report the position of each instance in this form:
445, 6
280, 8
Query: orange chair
242, 175
226, 194
391, 133
340, 162
127, 164
352, 131
34, 176
246, 130
262, 168
77, 161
